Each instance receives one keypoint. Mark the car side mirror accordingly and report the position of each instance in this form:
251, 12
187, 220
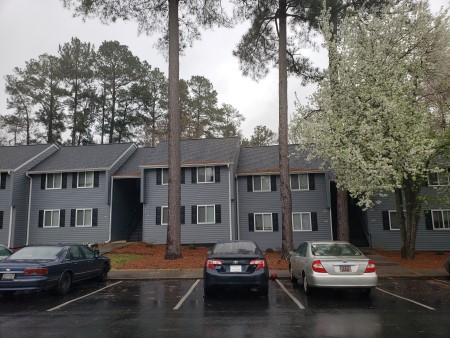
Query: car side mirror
97, 253
292, 253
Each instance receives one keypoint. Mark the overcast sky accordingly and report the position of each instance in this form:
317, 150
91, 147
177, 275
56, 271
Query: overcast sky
29, 28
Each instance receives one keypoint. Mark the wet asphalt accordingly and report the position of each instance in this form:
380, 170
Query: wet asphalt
399, 307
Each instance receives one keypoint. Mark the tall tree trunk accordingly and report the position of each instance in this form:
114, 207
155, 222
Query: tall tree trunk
74, 117
113, 113
343, 233
287, 243
173, 244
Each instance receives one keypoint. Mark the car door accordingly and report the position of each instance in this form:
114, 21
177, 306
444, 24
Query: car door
296, 260
77, 262
91, 265
302, 258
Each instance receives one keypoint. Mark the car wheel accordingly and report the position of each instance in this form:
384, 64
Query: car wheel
207, 293
306, 287
64, 284
264, 292
366, 292
294, 280
104, 275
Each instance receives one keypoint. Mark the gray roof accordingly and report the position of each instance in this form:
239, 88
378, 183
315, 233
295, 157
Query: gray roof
12, 157
131, 167
77, 158
199, 151
254, 160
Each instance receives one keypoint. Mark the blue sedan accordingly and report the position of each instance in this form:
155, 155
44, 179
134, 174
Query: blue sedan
51, 267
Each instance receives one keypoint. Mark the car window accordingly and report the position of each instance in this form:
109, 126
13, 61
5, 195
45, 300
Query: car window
4, 251
334, 249
303, 248
76, 253
235, 248
88, 253
36, 252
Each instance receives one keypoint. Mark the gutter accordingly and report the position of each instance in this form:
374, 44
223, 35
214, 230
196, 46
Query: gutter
29, 208
10, 210
237, 210
110, 209
229, 202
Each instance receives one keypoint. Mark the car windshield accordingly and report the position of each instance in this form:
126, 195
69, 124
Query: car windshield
335, 249
235, 248
4, 251
38, 252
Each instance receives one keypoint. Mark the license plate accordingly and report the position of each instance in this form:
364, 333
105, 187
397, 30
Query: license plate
8, 276
235, 268
345, 268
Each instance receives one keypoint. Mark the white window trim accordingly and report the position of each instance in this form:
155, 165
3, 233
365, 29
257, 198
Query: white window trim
52, 211
166, 171
439, 183
390, 222
214, 213
76, 218
299, 189
85, 174
432, 219
162, 214
260, 177
301, 213
46, 181
271, 221
213, 171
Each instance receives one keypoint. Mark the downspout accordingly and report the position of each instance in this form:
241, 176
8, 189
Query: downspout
29, 209
229, 201
10, 211
110, 209
237, 209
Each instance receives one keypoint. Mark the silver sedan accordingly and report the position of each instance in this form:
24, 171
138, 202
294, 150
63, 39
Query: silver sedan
332, 264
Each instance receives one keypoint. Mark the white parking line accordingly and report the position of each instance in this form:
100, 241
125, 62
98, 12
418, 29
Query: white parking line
74, 300
407, 299
296, 301
186, 295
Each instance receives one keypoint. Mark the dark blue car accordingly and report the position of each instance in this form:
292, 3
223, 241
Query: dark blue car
236, 265
51, 267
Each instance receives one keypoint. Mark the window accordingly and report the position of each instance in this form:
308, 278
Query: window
439, 179
206, 214
165, 176
441, 219
205, 175
53, 181
301, 221
88, 253
394, 220
86, 179
261, 183
83, 218
165, 215
299, 182
263, 222
51, 218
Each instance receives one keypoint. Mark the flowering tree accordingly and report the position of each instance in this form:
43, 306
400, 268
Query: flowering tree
375, 125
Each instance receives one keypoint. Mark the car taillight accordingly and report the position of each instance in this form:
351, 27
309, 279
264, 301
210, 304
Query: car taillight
318, 267
260, 263
370, 266
211, 263
35, 271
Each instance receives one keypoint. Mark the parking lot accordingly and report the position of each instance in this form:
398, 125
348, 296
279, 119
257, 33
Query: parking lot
176, 308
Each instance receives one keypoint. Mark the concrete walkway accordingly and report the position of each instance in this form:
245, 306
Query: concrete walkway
385, 268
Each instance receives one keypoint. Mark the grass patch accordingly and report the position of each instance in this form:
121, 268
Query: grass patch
119, 260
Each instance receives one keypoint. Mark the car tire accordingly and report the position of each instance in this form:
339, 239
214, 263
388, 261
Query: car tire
294, 280
207, 293
306, 288
264, 292
104, 275
366, 292
64, 284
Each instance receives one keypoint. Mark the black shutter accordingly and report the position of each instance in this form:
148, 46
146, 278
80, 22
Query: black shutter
94, 217
428, 220
158, 176
41, 219
218, 213
385, 216
74, 180
183, 174
217, 174
96, 178
312, 181
194, 214
314, 224
1, 219
72, 217
249, 183
62, 218
158, 214
43, 177
273, 183
182, 213
251, 223
194, 175
64, 180
275, 221
3, 181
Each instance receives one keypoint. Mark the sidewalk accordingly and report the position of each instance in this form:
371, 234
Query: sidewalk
385, 268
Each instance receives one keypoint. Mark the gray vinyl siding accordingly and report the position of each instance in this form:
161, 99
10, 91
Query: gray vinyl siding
269, 202
67, 199
191, 194
434, 240
5, 206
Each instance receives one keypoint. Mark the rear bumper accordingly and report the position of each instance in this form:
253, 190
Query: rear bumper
368, 280
39, 283
257, 279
